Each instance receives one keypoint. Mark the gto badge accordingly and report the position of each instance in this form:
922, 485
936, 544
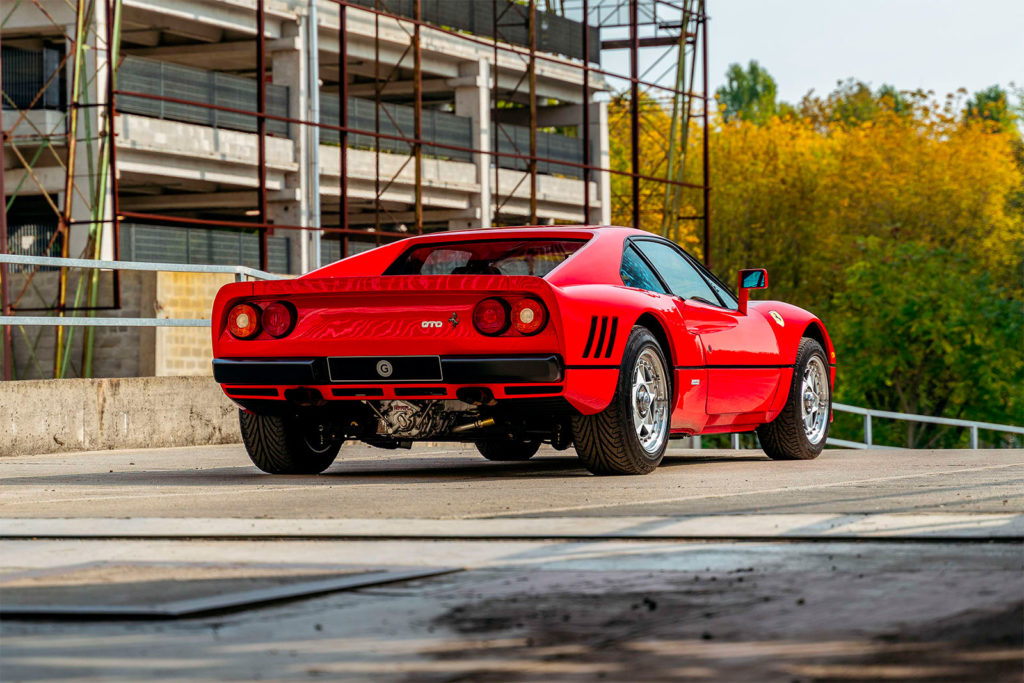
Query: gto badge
384, 368
430, 323
777, 318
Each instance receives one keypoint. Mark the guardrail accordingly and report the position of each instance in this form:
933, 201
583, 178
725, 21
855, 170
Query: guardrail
973, 425
240, 272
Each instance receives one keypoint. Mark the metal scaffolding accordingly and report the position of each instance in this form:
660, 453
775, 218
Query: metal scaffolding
665, 42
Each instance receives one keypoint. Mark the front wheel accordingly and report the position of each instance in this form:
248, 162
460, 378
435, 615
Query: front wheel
800, 430
282, 445
631, 434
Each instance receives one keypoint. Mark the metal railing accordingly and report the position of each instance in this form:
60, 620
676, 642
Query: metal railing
973, 425
240, 272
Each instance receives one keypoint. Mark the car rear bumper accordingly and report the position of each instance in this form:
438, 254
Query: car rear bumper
544, 368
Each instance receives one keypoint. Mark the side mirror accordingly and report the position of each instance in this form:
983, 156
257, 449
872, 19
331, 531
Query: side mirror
750, 278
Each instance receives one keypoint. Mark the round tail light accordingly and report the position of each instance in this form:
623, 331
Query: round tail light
279, 318
244, 321
528, 316
491, 317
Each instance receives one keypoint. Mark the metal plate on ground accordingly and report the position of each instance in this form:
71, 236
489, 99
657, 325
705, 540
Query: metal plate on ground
167, 590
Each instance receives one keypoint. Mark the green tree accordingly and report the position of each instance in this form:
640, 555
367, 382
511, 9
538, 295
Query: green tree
919, 330
992, 104
748, 95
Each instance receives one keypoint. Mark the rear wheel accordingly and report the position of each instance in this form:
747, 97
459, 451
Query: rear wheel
507, 451
631, 434
283, 445
800, 430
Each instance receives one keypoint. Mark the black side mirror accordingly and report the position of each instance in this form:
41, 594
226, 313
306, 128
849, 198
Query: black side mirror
750, 278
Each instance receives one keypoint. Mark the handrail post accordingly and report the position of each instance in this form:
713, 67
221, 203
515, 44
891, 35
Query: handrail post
867, 429
974, 437
734, 440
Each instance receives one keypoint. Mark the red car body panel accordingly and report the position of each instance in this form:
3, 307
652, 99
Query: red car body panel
732, 371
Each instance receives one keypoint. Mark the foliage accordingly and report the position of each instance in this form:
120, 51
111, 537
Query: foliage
748, 95
992, 105
957, 352
898, 219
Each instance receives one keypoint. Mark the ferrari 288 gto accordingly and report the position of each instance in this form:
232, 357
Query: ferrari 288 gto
610, 340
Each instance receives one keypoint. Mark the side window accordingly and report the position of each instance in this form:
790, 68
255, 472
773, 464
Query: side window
682, 278
724, 294
636, 273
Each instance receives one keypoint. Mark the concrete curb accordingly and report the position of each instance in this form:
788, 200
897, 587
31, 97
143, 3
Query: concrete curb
57, 416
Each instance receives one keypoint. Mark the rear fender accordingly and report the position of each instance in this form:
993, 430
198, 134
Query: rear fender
596, 322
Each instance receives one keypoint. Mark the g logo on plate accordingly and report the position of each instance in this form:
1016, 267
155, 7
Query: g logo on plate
384, 368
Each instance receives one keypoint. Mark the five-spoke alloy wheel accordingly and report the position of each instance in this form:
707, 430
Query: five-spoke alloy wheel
630, 435
800, 430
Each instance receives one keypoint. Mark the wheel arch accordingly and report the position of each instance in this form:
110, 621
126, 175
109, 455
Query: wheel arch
649, 321
816, 331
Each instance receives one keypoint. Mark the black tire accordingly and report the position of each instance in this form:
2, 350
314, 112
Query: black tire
507, 451
280, 445
785, 437
607, 443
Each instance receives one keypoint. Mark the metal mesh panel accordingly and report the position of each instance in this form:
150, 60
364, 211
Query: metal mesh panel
200, 85
24, 72
438, 126
555, 34
516, 140
166, 244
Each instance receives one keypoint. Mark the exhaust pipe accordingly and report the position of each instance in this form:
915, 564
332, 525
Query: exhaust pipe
479, 424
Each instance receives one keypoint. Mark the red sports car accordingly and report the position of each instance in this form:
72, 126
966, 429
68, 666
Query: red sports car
608, 339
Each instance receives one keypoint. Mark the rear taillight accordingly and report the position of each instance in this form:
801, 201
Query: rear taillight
528, 316
491, 317
244, 321
524, 316
279, 318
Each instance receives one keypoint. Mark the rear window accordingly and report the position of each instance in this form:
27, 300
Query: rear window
485, 257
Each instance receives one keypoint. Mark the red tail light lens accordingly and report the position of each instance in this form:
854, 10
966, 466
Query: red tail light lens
279, 318
528, 316
491, 317
244, 321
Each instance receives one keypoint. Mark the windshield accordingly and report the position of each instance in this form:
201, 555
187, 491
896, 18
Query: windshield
486, 257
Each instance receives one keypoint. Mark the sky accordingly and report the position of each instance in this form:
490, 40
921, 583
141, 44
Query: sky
938, 45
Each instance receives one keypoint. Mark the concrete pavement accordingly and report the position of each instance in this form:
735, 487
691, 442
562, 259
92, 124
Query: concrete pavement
719, 566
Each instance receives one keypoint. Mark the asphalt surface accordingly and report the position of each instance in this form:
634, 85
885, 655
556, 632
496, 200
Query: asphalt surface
721, 565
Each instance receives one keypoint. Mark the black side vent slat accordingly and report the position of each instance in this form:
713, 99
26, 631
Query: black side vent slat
601, 336
611, 338
590, 337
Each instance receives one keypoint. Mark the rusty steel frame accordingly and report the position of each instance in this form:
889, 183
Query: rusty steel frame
604, 10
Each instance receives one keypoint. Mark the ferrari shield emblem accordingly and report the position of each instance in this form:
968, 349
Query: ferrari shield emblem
777, 318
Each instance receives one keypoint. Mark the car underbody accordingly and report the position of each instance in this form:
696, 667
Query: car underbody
398, 423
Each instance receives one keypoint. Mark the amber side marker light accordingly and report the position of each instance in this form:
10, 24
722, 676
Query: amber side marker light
244, 321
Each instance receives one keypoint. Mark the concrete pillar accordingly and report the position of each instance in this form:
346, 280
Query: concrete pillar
473, 99
600, 156
288, 67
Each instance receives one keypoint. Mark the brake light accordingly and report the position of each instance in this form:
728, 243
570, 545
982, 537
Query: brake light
244, 321
279, 318
491, 317
528, 316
